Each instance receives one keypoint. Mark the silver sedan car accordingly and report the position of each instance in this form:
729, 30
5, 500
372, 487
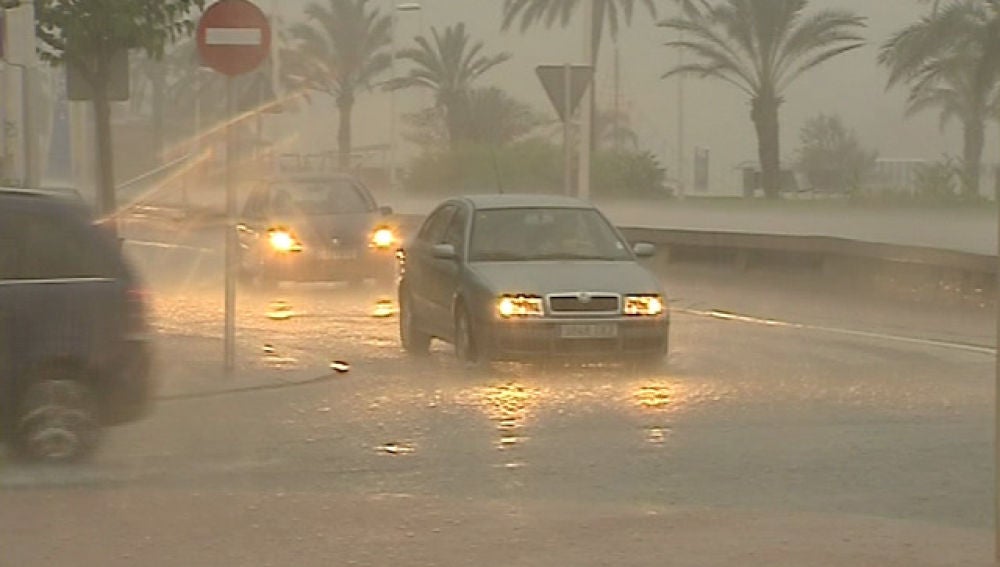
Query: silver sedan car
515, 277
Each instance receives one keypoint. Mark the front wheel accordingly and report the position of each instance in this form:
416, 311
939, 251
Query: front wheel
467, 346
57, 421
415, 341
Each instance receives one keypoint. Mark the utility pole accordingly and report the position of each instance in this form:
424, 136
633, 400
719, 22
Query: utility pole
681, 169
618, 101
393, 147
587, 118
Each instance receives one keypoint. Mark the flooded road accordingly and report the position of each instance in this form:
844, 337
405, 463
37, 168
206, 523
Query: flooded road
770, 431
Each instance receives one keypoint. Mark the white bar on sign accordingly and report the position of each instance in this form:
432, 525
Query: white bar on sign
233, 36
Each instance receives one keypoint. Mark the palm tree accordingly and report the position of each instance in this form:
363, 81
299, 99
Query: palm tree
949, 58
448, 64
607, 13
761, 47
341, 50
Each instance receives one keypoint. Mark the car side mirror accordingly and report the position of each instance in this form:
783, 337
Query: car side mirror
644, 250
385, 211
444, 252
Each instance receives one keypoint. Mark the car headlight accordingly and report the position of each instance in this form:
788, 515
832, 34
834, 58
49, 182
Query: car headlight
509, 306
639, 305
383, 238
283, 241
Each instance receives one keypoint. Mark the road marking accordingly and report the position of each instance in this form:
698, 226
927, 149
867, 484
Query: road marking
233, 36
164, 245
736, 317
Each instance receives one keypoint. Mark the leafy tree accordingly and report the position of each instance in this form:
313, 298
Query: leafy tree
950, 60
448, 64
531, 165
761, 47
494, 118
831, 156
86, 33
340, 51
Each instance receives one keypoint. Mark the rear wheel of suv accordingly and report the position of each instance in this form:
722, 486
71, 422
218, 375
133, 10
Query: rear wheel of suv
57, 419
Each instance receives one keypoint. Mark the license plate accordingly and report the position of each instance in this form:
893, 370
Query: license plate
339, 255
596, 331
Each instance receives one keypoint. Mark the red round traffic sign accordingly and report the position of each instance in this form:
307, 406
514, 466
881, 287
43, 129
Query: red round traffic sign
234, 37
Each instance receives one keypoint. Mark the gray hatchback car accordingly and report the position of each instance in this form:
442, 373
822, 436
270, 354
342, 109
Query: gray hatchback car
513, 277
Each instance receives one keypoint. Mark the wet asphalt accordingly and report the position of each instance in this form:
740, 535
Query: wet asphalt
793, 400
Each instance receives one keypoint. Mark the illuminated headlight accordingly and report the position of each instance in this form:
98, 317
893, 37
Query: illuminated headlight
510, 306
644, 305
383, 238
283, 241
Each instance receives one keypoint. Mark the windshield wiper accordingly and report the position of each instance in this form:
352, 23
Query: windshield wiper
500, 257
571, 256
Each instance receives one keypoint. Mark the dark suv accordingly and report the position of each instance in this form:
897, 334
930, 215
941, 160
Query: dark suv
317, 227
74, 345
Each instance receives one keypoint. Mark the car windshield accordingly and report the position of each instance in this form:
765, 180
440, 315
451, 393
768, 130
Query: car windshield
325, 197
537, 234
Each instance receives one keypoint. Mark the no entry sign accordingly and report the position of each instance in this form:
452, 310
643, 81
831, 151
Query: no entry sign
234, 37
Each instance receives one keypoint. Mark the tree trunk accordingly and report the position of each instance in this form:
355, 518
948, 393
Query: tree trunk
765, 119
105, 160
456, 117
972, 157
345, 104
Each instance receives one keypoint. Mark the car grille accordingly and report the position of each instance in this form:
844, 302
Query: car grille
584, 303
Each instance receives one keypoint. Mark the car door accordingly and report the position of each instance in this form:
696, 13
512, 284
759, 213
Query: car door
444, 274
419, 270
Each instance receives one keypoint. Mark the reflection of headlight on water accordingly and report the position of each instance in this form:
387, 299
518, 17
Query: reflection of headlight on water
653, 396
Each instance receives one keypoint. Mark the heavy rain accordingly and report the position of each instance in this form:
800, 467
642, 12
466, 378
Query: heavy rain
498, 282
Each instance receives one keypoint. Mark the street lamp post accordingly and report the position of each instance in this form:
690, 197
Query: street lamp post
406, 7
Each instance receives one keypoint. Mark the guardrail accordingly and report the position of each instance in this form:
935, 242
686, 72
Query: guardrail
912, 268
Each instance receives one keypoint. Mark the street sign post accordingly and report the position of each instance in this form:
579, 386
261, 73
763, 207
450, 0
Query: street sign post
234, 37
566, 85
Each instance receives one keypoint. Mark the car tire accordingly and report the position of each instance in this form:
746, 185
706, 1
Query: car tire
57, 420
415, 342
467, 347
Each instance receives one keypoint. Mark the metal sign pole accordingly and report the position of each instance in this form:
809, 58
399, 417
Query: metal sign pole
567, 121
230, 331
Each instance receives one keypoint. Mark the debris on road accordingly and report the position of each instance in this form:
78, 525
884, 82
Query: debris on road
385, 308
395, 448
340, 367
280, 311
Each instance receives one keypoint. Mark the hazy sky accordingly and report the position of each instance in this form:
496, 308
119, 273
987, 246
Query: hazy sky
717, 116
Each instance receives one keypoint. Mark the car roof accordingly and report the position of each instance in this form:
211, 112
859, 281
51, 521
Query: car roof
60, 198
518, 201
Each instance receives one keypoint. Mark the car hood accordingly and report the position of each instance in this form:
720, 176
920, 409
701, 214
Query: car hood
540, 278
353, 228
